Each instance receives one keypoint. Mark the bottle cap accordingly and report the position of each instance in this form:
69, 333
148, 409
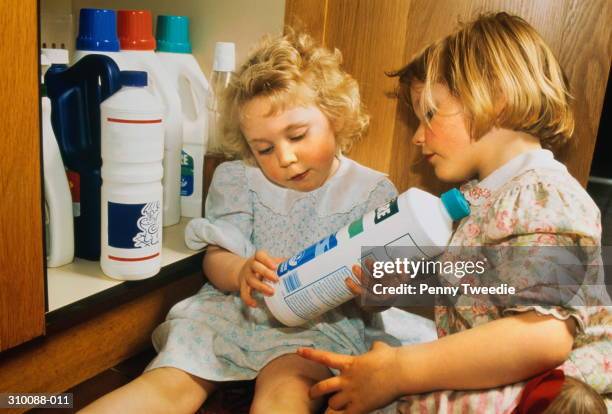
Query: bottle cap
135, 29
456, 204
97, 30
133, 78
173, 34
59, 56
225, 57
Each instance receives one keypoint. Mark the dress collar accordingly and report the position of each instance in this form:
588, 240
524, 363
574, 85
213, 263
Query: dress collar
477, 192
340, 193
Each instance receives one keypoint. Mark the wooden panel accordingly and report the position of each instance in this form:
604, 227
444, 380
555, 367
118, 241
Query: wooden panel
307, 15
365, 31
22, 303
57, 362
577, 33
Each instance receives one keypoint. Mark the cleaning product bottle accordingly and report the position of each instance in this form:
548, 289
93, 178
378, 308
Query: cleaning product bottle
98, 35
224, 66
138, 53
132, 153
76, 94
58, 203
174, 51
309, 287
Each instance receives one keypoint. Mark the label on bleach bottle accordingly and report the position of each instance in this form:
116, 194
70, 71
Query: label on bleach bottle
134, 226
187, 167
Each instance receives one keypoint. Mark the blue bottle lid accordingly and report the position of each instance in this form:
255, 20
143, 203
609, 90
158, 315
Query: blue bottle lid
456, 204
98, 30
133, 78
172, 34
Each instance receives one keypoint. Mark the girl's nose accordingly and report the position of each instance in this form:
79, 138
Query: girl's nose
286, 156
419, 137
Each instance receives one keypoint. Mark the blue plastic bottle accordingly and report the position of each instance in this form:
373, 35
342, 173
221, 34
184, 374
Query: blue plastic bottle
76, 94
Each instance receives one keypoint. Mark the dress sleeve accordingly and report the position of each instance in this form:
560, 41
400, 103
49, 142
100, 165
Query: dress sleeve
551, 237
228, 221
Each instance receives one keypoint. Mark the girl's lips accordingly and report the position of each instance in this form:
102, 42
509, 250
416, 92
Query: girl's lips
428, 157
299, 177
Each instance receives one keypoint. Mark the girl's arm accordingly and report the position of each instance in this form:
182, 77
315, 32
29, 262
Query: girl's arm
222, 268
500, 352
229, 272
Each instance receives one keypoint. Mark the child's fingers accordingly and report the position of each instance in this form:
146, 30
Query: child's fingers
339, 401
245, 295
358, 272
260, 286
325, 387
353, 287
263, 257
327, 358
265, 272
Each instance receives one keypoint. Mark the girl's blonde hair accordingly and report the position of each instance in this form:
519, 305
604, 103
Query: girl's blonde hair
504, 74
576, 397
293, 70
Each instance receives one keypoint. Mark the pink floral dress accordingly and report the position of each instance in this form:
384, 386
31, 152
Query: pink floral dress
530, 201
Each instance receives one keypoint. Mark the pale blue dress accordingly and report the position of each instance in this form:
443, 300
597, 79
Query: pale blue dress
214, 335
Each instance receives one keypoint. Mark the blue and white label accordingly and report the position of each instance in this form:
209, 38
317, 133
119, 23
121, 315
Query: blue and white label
308, 254
133, 226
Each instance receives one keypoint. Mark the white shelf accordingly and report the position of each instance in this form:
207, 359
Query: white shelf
83, 278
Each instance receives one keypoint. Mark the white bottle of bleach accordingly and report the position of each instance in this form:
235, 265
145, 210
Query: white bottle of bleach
132, 146
309, 287
174, 51
135, 32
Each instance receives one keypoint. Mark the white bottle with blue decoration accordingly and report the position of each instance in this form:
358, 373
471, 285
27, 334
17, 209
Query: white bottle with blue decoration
132, 146
174, 52
313, 281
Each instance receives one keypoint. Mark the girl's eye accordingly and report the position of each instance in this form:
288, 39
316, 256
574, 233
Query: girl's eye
297, 138
429, 114
265, 151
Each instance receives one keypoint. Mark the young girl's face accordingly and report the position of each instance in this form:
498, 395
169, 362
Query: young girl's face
445, 142
295, 148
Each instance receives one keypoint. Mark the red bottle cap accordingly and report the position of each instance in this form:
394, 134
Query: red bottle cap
135, 30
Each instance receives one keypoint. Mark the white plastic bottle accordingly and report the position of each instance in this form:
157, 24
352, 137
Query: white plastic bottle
132, 146
138, 53
174, 51
58, 202
224, 66
309, 287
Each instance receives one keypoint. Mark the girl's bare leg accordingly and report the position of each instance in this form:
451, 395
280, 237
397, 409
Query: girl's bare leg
282, 386
161, 390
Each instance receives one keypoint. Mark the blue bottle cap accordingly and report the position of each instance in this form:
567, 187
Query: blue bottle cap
97, 30
456, 204
172, 34
133, 78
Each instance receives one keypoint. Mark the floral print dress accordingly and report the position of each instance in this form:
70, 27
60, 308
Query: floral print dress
530, 201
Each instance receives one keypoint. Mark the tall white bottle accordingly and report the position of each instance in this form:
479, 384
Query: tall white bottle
97, 35
58, 202
132, 146
224, 66
174, 51
135, 32
312, 281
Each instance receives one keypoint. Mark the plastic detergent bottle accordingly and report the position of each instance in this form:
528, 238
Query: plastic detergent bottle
76, 94
309, 287
58, 203
224, 66
174, 51
132, 153
138, 53
98, 35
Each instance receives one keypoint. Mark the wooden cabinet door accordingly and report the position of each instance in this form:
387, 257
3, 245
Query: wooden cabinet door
22, 296
375, 36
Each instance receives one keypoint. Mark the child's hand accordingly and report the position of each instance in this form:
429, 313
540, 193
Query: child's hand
363, 289
366, 382
252, 274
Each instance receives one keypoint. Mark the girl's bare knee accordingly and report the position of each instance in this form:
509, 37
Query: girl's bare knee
188, 392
